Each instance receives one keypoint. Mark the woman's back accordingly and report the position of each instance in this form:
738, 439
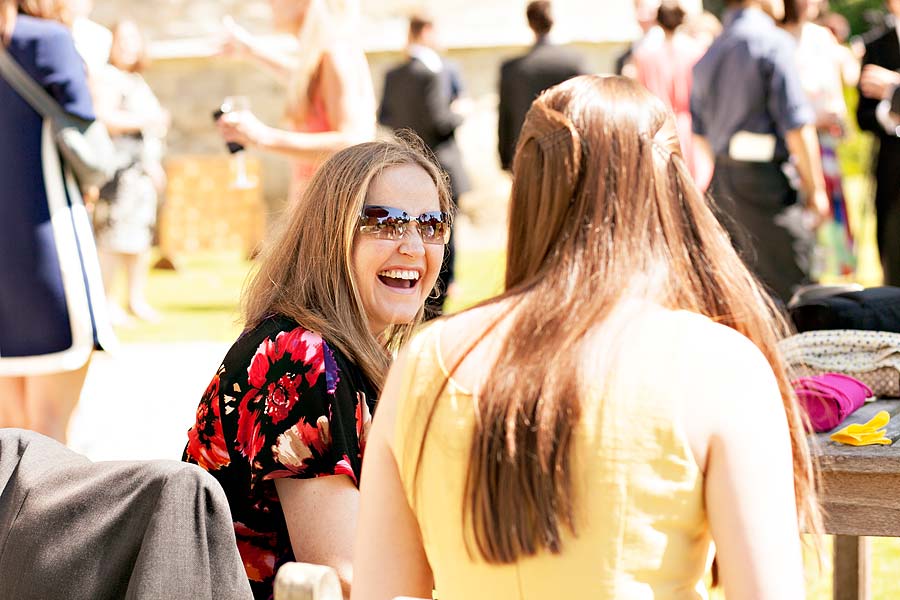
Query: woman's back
641, 526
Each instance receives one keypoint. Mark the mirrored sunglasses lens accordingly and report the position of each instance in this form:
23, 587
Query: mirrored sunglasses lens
433, 228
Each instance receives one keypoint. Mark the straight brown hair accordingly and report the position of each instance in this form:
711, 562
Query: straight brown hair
602, 206
305, 272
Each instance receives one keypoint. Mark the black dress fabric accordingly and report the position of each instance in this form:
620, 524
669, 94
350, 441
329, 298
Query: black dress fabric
284, 403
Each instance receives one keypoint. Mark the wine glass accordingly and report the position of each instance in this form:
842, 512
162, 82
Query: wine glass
233, 104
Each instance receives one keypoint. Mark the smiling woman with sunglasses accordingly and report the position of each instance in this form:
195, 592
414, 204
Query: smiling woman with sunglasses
282, 424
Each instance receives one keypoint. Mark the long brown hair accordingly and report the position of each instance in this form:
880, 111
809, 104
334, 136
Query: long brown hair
305, 273
602, 206
55, 10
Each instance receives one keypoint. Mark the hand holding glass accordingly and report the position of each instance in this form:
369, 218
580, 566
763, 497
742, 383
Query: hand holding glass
234, 104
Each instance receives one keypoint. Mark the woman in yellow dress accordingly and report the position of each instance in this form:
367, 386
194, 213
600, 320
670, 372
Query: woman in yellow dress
590, 432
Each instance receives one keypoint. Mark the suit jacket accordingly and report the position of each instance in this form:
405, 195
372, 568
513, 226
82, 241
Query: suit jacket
882, 49
522, 79
417, 98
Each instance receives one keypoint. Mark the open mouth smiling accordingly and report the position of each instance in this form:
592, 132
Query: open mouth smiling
399, 278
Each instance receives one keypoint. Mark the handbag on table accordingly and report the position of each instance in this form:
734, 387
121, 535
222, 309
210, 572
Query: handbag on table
85, 145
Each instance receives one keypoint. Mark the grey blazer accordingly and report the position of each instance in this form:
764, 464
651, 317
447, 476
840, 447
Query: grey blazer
74, 529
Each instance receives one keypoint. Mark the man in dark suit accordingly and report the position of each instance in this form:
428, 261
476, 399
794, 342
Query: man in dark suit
522, 79
879, 112
418, 95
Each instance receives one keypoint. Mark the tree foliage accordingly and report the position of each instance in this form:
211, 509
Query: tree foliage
862, 14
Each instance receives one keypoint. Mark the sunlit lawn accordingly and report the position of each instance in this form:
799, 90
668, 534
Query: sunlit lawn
199, 300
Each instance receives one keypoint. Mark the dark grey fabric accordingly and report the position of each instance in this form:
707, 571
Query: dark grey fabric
74, 529
883, 49
522, 79
748, 81
753, 198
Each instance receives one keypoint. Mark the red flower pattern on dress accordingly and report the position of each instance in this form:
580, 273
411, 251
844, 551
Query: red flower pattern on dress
343, 468
206, 442
363, 422
249, 440
297, 446
276, 399
257, 551
281, 397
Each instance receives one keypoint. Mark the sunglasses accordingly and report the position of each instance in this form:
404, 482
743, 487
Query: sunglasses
388, 223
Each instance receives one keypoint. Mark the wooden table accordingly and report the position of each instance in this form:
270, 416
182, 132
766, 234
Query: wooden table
861, 498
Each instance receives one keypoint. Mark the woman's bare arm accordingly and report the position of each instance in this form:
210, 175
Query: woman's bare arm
241, 43
749, 484
350, 109
321, 520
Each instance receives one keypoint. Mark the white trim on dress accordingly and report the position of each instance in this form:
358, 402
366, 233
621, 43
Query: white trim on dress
73, 240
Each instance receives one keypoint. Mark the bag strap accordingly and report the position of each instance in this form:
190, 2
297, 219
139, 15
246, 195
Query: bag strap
27, 87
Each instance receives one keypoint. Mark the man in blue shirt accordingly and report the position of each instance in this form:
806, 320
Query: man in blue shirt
751, 114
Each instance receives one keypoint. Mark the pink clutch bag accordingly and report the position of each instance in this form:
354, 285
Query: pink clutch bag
830, 398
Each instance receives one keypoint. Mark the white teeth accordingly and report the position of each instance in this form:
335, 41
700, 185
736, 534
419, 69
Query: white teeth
401, 274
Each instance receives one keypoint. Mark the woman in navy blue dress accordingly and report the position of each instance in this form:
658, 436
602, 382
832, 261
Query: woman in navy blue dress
52, 308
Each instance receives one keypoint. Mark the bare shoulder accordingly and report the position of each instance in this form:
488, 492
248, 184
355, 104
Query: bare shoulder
717, 345
732, 382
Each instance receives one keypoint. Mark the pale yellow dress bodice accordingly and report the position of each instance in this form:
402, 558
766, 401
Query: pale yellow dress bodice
642, 531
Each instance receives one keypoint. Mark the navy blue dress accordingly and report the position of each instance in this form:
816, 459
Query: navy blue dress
52, 306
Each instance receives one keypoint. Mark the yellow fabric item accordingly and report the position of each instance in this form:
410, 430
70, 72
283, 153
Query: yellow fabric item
865, 434
642, 531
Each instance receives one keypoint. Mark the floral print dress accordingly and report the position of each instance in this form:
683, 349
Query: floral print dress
284, 403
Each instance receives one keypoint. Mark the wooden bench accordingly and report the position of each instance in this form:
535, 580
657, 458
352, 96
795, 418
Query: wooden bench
861, 497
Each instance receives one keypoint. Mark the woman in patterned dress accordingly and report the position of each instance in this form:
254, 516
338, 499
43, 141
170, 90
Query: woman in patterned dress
125, 214
282, 424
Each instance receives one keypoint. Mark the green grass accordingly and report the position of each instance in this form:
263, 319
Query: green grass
197, 302
885, 565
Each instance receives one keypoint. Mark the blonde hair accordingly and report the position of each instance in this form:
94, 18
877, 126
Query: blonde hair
306, 272
327, 22
54, 10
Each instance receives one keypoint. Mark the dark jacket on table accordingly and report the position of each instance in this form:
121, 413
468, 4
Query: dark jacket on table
418, 98
883, 49
522, 79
